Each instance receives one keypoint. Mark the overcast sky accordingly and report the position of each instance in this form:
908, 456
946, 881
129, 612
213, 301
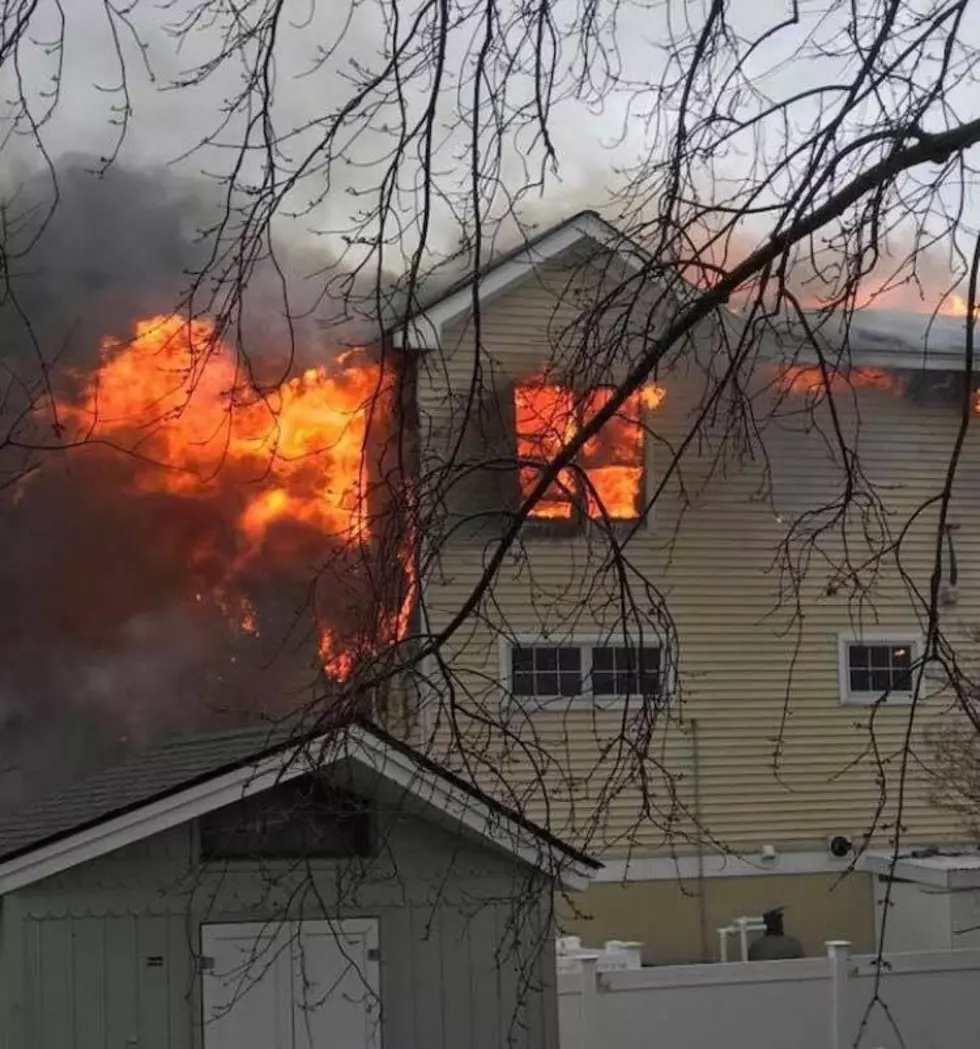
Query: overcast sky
316, 53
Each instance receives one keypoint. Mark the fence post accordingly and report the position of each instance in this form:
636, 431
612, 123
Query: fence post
837, 955
589, 1001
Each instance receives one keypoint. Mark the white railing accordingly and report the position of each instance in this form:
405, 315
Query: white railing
928, 1000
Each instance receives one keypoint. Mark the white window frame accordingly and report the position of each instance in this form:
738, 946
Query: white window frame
912, 640
587, 700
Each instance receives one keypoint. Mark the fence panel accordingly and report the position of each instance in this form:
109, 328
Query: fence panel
934, 1000
929, 1000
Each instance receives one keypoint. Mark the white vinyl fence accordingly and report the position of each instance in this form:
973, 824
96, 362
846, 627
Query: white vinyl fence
931, 1000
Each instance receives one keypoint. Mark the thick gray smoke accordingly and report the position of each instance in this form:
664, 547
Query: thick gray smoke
101, 643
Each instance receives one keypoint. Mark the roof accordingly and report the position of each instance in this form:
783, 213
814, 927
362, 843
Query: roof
189, 775
424, 326
876, 337
952, 869
181, 761
892, 338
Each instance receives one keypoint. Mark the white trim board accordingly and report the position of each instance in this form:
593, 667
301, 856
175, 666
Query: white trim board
424, 331
482, 820
715, 865
685, 868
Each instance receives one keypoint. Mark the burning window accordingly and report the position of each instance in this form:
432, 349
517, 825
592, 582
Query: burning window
810, 379
607, 477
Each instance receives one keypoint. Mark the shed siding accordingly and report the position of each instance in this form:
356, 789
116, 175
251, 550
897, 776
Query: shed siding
445, 911
713, 559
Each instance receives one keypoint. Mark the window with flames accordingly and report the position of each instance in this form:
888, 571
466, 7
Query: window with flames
606, 479
507, 436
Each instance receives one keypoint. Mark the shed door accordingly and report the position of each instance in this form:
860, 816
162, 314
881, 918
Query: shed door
291, 986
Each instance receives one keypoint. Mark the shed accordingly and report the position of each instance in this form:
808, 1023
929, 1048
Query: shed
257, 889
933, 898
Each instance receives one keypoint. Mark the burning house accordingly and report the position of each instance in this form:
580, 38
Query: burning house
696, 703
656, 584
195, 518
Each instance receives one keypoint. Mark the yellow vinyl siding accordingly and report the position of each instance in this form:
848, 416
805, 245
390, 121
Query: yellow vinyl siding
736, 648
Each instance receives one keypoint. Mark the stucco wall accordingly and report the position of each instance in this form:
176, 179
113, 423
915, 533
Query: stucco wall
77, 944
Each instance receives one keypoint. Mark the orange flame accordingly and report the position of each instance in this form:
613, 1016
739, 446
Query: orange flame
549, 415
809, 379
175, 396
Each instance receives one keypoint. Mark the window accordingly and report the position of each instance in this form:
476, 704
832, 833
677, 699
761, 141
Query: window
586, 672
626, 671
546, 671
304, 817
873, 669
607, 481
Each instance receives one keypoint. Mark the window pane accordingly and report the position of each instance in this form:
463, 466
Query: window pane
546, 658
547, 683
522, 684
650, 658
521, 659
602, 658
625, 684
603, 683
881, 656
860, 680
880, 680
901, 681
570, 658
902, 658
571, 684
858, 655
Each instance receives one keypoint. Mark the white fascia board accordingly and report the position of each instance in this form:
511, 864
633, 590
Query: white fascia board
687, 867
284, 765
796, 862
425, 330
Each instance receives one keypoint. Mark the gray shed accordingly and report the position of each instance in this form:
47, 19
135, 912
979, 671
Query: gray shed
248, 891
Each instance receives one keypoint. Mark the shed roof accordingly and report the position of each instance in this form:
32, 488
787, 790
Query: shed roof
942, 869
188, 775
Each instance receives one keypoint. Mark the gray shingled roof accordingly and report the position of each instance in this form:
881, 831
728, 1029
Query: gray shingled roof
178, 763
184, 761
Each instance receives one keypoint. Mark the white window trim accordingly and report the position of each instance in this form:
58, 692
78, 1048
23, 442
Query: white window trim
909, 638
587, 700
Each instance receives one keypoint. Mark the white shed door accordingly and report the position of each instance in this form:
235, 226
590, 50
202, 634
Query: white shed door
291, 986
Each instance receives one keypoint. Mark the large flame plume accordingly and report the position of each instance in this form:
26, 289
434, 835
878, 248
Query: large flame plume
548, 415
296, 469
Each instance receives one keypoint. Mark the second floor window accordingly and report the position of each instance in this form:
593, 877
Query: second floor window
586, 672
607, 481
